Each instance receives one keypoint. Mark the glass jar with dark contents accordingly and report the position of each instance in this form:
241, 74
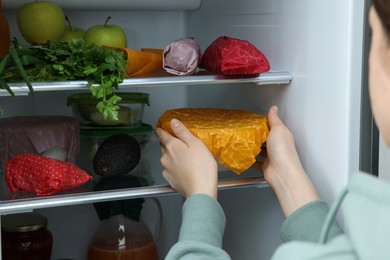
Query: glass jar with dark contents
25, 236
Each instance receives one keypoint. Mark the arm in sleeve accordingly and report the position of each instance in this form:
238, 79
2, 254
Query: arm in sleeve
201, 231
305, 223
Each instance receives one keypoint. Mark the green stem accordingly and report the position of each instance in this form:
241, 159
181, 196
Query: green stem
108, 18
16, 59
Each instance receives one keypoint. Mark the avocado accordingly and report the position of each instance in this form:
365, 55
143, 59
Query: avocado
117, 155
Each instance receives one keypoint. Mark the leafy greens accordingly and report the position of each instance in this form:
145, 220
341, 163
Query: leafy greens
103, 68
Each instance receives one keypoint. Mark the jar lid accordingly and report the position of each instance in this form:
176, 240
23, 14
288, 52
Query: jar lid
99, 132
126, 98
24, 222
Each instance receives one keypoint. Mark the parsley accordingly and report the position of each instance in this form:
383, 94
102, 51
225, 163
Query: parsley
103, 68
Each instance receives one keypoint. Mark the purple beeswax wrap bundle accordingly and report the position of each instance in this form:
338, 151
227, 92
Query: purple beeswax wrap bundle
182, 57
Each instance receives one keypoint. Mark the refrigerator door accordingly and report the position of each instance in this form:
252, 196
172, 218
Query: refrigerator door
384, 162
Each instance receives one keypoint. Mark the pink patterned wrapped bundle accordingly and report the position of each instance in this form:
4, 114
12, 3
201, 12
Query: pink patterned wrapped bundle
182, 57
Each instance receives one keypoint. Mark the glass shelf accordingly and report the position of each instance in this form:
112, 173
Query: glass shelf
23, 205
148, 170
158, 80
129, 5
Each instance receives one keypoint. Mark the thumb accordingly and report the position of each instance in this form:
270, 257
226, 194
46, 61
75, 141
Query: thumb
273, 117
181, 131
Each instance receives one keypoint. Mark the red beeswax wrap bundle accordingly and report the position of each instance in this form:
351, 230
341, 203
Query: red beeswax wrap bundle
44, 176
231, 56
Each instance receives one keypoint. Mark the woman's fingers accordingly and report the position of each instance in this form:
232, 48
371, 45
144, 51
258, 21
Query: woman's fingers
273, 117
164, 136
181, 131
162, 150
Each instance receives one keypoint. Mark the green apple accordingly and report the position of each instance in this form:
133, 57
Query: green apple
40, 21
108, 35
72, 32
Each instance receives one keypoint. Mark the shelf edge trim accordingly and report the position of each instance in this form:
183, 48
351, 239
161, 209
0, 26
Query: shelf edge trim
8, 207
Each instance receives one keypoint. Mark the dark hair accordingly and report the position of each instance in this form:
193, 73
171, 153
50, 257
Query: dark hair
382, 8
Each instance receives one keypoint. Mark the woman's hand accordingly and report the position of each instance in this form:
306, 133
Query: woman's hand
188, 165
282, 167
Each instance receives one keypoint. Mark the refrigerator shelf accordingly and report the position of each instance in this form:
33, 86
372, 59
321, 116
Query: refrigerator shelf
164, 79
128, 5
29, 204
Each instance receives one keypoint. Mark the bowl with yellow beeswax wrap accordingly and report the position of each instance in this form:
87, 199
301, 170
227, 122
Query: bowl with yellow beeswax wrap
233, 136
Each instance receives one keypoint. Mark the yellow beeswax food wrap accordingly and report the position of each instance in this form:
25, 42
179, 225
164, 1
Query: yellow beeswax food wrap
234, 136
142, 62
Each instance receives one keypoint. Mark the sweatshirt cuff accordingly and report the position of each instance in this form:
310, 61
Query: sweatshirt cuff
203, 220
305, 224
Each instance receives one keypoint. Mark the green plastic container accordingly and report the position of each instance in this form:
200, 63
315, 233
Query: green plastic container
130, 113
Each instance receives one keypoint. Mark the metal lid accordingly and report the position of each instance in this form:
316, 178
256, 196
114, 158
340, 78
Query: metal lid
126, 98
24, 222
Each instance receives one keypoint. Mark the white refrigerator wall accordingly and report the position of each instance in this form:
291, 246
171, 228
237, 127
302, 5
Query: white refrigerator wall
320, 42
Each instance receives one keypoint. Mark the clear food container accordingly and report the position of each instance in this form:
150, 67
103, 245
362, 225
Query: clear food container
90, 139
130, 113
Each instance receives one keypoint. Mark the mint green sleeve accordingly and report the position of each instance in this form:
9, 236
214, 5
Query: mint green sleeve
305, 223
201, 232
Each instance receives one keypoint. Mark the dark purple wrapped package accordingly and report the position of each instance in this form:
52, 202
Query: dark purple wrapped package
182, 57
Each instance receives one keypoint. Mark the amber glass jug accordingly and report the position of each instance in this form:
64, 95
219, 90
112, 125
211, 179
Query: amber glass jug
122, 234
120, 237
4, 33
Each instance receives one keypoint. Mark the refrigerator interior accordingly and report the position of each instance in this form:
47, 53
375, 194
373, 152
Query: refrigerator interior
319, 42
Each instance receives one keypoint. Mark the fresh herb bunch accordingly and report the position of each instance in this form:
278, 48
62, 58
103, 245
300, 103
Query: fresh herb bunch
103, 68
